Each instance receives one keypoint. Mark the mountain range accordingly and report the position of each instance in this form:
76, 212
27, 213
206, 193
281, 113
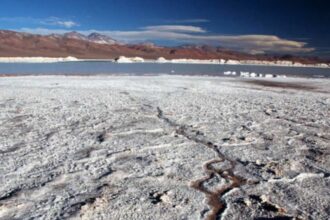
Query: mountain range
98, 46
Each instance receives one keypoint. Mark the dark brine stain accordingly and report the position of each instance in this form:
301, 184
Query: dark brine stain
215, 201
284, 85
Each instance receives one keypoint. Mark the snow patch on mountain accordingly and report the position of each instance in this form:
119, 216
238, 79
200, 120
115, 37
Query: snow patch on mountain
101, 39
93, 37
75, 35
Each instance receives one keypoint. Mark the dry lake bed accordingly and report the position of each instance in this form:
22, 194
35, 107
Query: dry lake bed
164, 147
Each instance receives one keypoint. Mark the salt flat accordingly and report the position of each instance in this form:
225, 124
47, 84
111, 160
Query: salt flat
164, 147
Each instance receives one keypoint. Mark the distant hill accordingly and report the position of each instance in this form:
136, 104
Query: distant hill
98, 46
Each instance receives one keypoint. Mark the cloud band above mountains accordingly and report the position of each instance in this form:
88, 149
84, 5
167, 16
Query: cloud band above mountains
193, 34
175, 28
49, 21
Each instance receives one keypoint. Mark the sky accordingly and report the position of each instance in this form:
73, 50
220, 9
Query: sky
253, 26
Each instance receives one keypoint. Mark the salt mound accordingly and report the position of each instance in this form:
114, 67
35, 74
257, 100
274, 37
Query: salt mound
227, 73
269, 75
37, 59
233, 62
161, 60
70, 58
123, 59
244, 74
137, 59
196, 61
253, 75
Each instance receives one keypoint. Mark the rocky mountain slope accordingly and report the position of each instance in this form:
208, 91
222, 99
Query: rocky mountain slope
98, 46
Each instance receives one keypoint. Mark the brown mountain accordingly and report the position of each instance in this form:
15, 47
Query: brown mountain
97, 46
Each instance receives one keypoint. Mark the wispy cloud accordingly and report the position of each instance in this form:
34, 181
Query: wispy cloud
188, 21
55, 21
175, 28
197, 35
49, 21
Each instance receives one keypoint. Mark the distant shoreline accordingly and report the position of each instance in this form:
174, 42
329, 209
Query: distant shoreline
127, 60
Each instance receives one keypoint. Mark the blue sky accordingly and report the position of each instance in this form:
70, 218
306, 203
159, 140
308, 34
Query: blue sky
254, 26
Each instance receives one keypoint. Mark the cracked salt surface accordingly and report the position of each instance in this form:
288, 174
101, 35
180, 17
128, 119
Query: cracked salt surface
163, 147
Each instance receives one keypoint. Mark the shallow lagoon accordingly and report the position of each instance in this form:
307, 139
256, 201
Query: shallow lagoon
92, 68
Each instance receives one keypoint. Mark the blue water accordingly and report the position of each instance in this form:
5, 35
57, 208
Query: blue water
91, 68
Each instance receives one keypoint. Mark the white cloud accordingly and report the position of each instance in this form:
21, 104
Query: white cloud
55, 21
42, 31
258, 43
50, 21
67, 24
188, 21
255, 44
175, 28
